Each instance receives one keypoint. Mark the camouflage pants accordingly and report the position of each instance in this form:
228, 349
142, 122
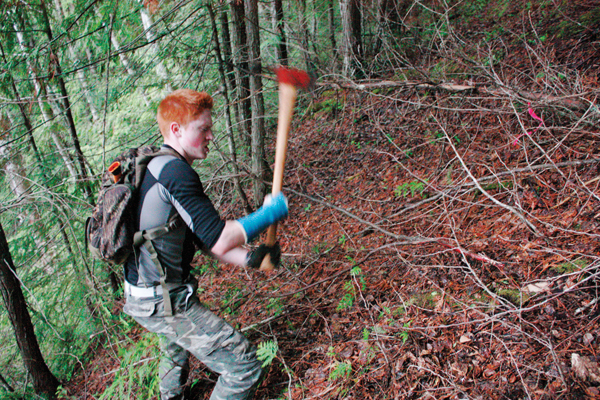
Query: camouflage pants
194, 329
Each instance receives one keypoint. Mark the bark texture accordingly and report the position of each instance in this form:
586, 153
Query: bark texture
44, 382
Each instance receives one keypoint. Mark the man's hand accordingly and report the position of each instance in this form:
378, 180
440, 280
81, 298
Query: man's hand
255, 257
274, 209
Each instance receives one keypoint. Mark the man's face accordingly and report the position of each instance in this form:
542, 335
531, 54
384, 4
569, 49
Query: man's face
195, 136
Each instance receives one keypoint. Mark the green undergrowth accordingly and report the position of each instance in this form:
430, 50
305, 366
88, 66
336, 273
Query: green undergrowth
571, 266
327, 107
137, 376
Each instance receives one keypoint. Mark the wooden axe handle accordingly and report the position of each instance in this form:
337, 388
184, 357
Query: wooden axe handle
287, 100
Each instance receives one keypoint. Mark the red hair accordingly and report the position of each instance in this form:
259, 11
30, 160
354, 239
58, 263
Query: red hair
181, 106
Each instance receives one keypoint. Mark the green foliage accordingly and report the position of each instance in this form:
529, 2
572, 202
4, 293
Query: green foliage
347, 300
341, 371
422, 300
208, 267
498, 185
267, 352
404, 335
232, 299
515, 296
356, 272
320, 248
137, 378
275, 305
568, 28
331, 352
501, 7
412, 187
571, 266
590, 18
326, 107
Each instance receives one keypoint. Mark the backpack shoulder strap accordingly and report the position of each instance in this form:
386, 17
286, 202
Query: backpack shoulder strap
169, 151
142, 161
145, 238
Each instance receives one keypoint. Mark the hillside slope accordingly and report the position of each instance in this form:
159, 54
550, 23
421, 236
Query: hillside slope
441, 243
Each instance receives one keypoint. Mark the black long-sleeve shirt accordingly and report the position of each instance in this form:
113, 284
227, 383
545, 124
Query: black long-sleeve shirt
171, 186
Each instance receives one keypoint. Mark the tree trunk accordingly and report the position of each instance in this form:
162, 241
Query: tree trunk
45, 109
84, 86
80, 72
332, 26
67, 107
21, 106
14, 172
279, 28
305, 38
161, 70
228, 127
6, 385
389, 23
228, 62
29, 217
240, 61
88, 53
258, 108
129, 67
90, 58
127, 64
26, 120
122, 56
351, 38
44, 382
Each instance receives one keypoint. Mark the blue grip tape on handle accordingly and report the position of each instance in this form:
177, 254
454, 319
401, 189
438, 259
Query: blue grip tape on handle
273, 210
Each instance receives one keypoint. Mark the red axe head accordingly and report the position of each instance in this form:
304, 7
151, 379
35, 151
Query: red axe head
294, 77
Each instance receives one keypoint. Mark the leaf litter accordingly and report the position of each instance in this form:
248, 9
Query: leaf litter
426, 256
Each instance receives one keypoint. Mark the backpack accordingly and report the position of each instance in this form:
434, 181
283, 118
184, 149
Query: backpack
111, 234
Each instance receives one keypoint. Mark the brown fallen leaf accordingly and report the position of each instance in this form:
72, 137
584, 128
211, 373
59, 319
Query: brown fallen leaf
464, 339
585, 368
588, 338
537, 287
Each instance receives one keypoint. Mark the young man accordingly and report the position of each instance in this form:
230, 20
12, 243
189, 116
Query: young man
166, 303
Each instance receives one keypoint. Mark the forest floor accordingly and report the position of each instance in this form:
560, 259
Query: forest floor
434, 248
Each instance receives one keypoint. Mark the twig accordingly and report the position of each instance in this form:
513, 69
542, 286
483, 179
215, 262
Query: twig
266, 321
147, 359
482, 190
588, 305
572, 102
478, 257
405, 239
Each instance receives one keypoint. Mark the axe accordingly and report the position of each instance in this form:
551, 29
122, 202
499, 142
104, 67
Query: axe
290, 80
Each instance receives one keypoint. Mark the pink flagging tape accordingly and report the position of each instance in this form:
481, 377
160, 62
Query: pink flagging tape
534, 116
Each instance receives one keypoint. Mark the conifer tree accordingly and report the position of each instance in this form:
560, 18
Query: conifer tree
44, 381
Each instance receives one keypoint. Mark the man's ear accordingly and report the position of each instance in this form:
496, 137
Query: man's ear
174, 128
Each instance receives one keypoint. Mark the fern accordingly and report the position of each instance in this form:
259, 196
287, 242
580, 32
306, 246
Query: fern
140, 382
404, 333
342, 370
346, 302
267, 351
413, 187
